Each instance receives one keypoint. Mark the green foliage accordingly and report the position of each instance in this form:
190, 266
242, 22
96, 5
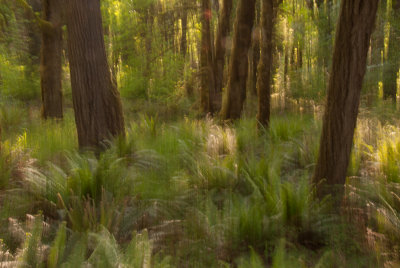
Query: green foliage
31, 255
11, 118
58, 247
208, 195
13, 82
179, 192
50, 138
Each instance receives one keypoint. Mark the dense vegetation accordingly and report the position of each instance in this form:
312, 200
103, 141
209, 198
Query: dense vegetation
199, 133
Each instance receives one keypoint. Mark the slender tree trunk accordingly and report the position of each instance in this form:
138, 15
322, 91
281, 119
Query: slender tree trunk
207, 94
299, 55
392, 64
149, 20
97, 104
268, 15
183, 47
33, 43
356, 23
254, 59
254, 53
238, 65
51, 57
223, 30
324, 33
378, 38
377, 48
286, 67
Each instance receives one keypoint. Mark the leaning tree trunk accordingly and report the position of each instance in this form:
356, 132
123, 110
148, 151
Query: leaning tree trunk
51, 57
221, 43
238, 65
356, 23
207, 93
392, 64
268, 15
97, 104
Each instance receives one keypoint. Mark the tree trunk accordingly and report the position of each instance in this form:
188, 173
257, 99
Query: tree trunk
223, 30
97, 104
392, 64
183, 47
254, 53
206, 68
268, 15
149, 20
33, 41
50, 65
286, 67
238, 65
378, 40
356, 23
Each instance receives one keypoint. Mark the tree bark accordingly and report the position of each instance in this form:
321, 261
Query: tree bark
97, 104
268, 15
324, 33
184, 17
33, 43
224, 27
356, 23
238, 65
51, 57
378, 38
286, 67
206, 68
392, 64
254, 53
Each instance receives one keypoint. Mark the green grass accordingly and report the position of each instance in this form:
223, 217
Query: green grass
191, 193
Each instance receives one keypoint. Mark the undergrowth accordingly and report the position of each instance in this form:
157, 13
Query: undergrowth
194, 193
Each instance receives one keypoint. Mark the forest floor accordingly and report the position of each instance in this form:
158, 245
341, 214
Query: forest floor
185, 192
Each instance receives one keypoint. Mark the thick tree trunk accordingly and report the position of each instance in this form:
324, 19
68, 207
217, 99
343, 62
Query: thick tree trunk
238, 65
224, 27
392, 64
97, 104
356, 23
51, 57
268, 15
207, 94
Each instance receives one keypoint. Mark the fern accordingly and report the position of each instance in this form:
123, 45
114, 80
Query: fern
57, 250
31, 250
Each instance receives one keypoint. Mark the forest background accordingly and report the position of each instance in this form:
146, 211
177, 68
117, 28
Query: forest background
194, 138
